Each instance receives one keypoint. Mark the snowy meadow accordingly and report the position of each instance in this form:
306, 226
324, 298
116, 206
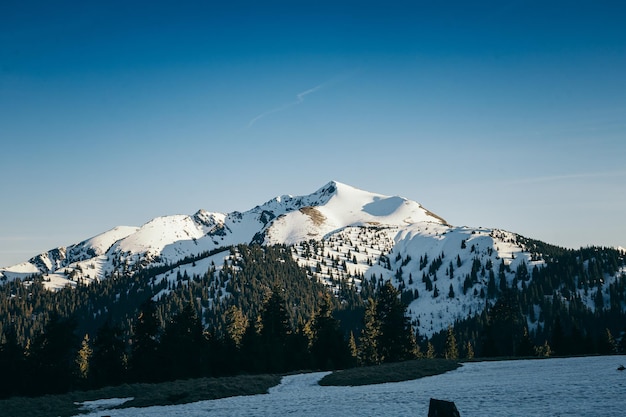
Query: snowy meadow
590, 386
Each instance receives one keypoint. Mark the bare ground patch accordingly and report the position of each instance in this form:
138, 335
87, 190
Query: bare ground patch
317, 217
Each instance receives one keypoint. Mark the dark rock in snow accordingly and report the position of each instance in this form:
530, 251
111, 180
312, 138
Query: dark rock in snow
442, 408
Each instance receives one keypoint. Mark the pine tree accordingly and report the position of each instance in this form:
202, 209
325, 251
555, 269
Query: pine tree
430, 351
526, 346
558, 338
599, 299
451, 350
274, 332
298, 356
12, 362
469, 351
108, 359
328, 348
506, 324
251, 351
354, 353
544, 351
83, 360
145, 343
52, 357
606, 343
491, 285
396, 341
236, 324
182, 345
368, 341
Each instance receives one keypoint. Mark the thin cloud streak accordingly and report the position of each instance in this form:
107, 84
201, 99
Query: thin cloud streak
299, 97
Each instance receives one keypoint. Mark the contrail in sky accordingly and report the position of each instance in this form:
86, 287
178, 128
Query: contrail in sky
299, 97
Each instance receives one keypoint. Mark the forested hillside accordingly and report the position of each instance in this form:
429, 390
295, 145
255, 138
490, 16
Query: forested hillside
252, 308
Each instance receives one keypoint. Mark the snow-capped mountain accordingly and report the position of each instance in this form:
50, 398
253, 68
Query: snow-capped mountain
168, 239
339, 234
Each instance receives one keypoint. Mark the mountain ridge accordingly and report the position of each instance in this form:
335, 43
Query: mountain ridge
173, 237
340, 235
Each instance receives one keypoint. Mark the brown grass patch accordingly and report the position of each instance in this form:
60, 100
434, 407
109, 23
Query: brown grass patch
317, 217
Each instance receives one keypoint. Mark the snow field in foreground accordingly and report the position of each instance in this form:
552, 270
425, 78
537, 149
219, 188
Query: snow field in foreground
589, 386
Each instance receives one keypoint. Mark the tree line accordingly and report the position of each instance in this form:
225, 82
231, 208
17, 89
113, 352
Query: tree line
57, 360
260, 312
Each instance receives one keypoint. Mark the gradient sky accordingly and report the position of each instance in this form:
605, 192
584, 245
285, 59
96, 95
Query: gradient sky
498, 114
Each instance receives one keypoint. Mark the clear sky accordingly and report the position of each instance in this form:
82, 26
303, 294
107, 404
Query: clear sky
508, 114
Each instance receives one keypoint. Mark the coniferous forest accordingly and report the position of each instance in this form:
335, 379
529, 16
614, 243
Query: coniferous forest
133, 328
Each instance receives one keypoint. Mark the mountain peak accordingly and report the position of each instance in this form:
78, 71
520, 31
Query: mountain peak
285, 219
333, 187
328, 189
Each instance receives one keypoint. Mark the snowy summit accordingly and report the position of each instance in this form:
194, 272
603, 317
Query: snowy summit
337, 234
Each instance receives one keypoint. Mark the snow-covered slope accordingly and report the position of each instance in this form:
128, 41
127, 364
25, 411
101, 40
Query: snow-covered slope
343, 236
339, 206
442, 271
168, 239
65, 257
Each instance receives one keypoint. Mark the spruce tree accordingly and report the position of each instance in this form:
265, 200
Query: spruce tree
328, 347
352, 348
558, 344
451, 351
108, 359
526, 346
506, 324
52, 357
396, 341
368, 341
182, 345
430, 351
274, 332
252, 359
469, 351
83, 359
236, 323
606, 343
12, 362
145, 344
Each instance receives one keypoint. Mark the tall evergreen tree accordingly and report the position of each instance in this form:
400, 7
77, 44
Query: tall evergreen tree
606, 343
52, 357
396, 341
108, 359
430, 351
236, 323
274, 332
145, 344
506, 323
298, 356
526, 346
352, 348
368, 341
451, 350
328, 347
252, 359
11, 364
469, 351
83, 360
558, 338
182, 345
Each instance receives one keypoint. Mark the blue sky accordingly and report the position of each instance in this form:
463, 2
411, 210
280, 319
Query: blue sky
498, 114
